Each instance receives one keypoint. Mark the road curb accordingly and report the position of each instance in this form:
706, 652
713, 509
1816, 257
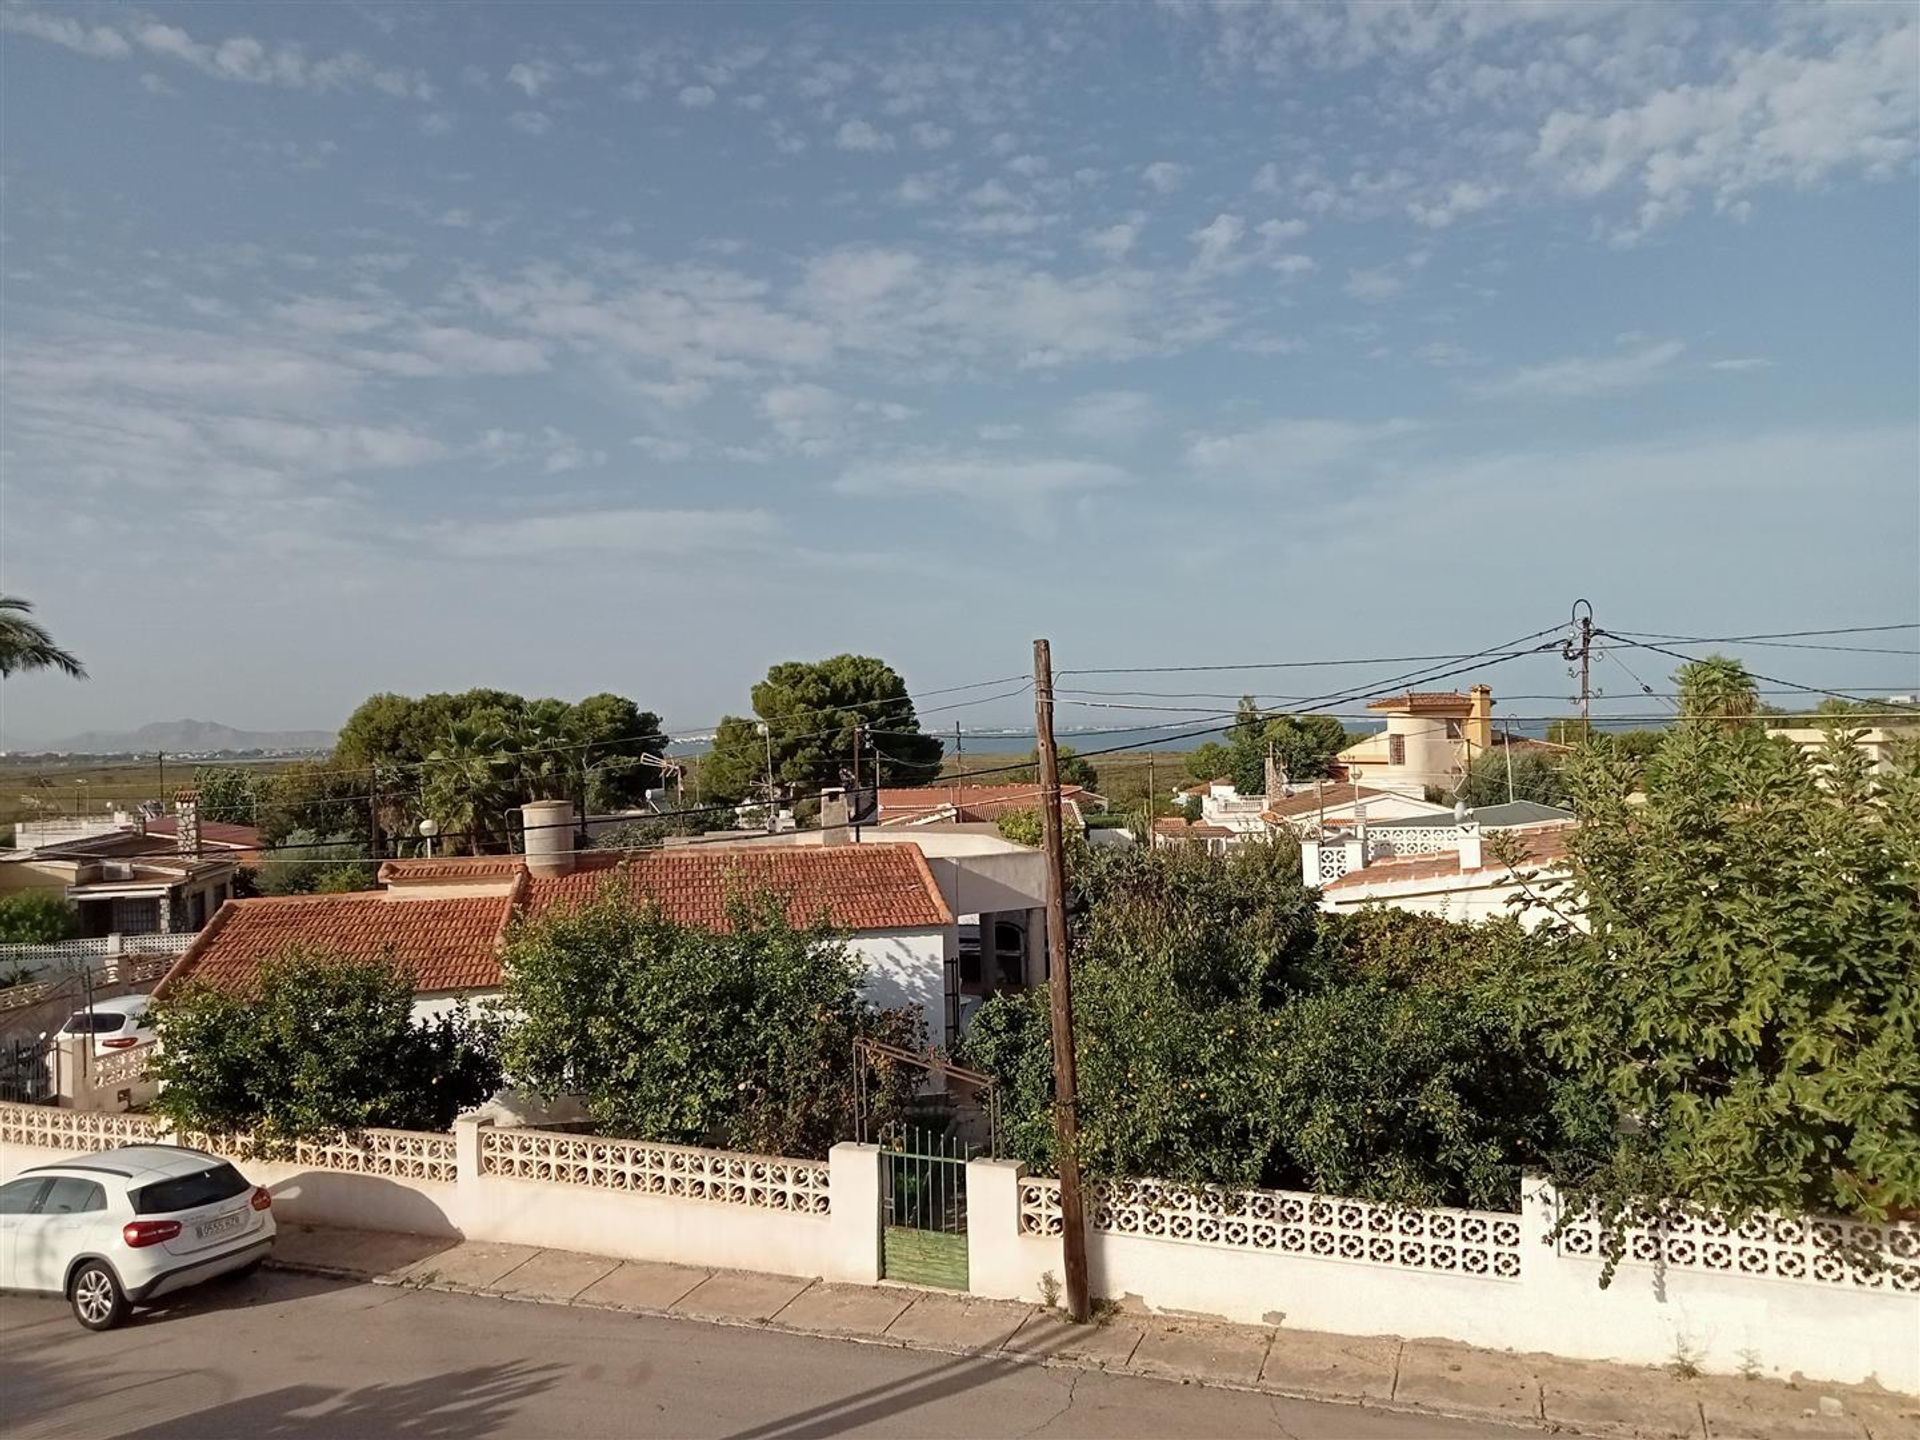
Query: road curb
999, 1353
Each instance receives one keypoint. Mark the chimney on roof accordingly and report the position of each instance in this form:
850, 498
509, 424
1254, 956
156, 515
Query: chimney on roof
186, 810
1479, 720
548, 828
834, 827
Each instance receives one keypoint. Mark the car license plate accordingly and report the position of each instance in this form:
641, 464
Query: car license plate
214, 1229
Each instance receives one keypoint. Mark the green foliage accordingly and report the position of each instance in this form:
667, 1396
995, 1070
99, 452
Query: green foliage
1074, 768
1746, 987
480, 753
1304, 747
26, 644
674, 1033
1228, 1033
232, 794
314, 798
322, 1045
1718, 689
811, 710
1534, 775
1023, 827
306, 860
37, 917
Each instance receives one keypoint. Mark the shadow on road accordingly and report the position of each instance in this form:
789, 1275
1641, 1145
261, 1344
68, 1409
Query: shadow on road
879, 1403
459, 1405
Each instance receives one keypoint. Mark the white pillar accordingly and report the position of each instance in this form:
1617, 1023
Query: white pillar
1310, 863
466, 1148
1001, 1262
1470, 845
853, 1198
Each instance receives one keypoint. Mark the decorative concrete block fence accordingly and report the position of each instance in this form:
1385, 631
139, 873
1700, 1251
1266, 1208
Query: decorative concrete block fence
1778, 1296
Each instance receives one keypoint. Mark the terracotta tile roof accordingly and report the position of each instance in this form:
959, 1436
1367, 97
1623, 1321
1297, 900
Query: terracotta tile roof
1202, 787
212, 832
1535, 848
1306, 801
1181, 828
452, 868
855, 887
981, 801
453, 944
446, 944
1423, 700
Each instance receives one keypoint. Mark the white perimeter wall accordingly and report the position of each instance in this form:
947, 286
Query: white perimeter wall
1648, 1316
842, 1245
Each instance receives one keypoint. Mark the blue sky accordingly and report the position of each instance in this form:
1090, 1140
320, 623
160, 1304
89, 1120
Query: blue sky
360, 347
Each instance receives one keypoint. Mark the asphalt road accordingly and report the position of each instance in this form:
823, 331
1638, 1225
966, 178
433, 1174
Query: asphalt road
279, 1355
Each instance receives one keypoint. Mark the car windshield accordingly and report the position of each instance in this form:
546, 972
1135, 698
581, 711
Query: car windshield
93, 1022
189, 1192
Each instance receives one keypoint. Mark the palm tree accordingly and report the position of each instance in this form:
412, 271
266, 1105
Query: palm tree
26, 645
1717, 689
470, 784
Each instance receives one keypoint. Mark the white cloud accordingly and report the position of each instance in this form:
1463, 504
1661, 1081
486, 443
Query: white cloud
102, 42
311, 449
807, 417
857, 276
456, 350
1110, 416
1463, 197
1215, 245
246, 60
1374, 286
1741, 363
532, 76
662, 533
929, 136
334, 317
1164, 177
989, 479
553, 450
531, 122
1028, 166
1114, 241
861, 137
663, 447
1582, 375
698, 97
1292, 448
1833, 99
436, 124
1279, 230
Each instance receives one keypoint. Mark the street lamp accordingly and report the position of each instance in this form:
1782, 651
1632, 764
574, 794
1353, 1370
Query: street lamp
429, 828
773, 800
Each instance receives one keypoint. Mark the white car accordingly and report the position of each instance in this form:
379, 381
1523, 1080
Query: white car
114, 1229
118, 1024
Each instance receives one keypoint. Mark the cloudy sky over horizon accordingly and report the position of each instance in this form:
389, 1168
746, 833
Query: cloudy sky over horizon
361, 347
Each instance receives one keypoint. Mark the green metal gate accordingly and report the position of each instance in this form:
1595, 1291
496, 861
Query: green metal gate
924, 1208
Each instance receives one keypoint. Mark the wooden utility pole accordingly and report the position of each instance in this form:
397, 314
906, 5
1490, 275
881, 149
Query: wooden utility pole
1066, 1120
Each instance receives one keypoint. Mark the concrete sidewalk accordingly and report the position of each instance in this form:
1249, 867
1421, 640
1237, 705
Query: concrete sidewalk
1436, 1376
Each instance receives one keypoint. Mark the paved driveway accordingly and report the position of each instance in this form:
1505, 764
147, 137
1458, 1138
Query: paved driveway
280, 1355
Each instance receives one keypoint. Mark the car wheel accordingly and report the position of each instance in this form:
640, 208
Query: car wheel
98, 1301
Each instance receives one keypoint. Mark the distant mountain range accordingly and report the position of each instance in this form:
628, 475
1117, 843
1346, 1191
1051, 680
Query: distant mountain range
186, 737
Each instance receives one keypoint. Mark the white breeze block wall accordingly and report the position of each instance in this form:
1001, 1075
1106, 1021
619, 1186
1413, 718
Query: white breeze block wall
528, 1187
1773, 1291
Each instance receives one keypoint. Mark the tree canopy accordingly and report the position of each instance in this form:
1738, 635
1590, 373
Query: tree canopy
1229, 1033
1495, 776
37, 917
1304, 747
1736, 962
811, 711
472, 757
321, 1045
26, 644
676, 1033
